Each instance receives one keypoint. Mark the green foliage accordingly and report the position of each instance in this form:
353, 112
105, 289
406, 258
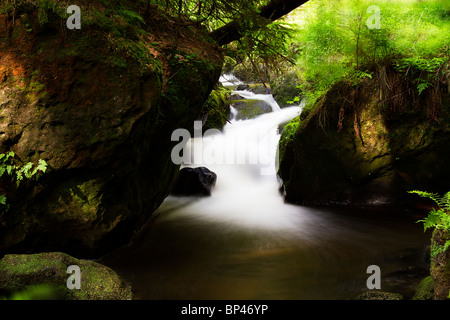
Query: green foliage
18, 173
437, 218
290, 129
217, 107
428, 70
213, 13
333, 42
36, 292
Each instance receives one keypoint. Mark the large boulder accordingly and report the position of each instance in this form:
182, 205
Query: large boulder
99, 105
369, 144
51, 271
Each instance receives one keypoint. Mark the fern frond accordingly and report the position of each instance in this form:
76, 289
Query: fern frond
433, 196
446, 201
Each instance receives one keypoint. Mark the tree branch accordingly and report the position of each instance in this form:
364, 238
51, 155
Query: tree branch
274, 10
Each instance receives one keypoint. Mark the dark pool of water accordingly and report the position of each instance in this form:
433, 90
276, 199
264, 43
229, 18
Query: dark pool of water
309, 254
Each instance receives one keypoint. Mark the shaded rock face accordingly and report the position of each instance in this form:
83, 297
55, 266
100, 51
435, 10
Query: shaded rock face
104, 129
194, 181
369, 145
97, 282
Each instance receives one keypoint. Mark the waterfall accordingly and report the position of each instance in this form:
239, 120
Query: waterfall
268, 98
229, 80
245, 242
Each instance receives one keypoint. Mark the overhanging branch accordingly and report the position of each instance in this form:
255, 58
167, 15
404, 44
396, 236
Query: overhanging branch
274, 10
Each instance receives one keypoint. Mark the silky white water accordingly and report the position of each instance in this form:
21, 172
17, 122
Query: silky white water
245, 242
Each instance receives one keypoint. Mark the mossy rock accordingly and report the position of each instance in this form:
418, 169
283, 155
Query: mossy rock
285, 89
440, 266
48, 271
355, 148
250, 108
217, 108
425, 290
379, 295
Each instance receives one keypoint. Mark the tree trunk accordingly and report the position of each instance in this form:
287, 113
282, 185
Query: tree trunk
274, 10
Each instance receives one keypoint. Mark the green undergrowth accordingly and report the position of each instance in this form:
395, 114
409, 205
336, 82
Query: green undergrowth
36, 292
333, 43
438, 218
9, 167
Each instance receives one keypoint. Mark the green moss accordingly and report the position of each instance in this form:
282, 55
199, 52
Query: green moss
82, 199
88, 196
379, 295
425, 290
218, 109
49, 270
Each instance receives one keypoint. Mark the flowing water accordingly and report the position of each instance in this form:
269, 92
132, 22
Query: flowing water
244, 242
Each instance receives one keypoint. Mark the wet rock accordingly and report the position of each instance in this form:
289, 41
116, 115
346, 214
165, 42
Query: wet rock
260, 89
242, 87
49, 271
250, 108
194, 181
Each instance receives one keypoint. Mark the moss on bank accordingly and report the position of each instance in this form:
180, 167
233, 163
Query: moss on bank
425, 290
217, 108
49, 271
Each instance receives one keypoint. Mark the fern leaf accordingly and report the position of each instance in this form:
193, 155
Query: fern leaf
433, 196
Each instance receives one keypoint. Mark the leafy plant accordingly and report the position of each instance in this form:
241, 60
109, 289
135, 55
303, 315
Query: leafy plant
290, 129
36, 292
423, 85
17, 173
438, 219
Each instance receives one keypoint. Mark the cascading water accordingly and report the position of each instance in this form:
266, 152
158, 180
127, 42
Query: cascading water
268, 98
244, 242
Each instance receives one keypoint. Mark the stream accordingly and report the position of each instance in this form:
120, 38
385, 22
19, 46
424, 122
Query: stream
245, 242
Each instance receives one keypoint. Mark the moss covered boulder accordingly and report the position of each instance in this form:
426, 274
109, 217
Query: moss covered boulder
369, 143
48, 272
99, 105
